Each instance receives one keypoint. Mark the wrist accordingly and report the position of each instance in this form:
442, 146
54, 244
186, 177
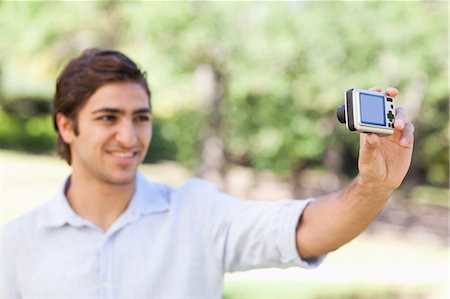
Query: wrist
371, 189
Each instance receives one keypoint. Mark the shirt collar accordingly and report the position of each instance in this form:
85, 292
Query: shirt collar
148, 198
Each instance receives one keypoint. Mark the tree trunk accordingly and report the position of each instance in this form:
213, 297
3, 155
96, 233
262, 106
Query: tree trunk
212, 157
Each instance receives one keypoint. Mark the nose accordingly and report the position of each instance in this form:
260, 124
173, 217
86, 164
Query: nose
126, 134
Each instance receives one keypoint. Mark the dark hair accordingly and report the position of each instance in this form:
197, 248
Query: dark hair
82, 77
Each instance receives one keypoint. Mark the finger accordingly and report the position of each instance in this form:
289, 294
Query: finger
372, 141
369, 146
375, 89
400, 118
392, 91
407, 136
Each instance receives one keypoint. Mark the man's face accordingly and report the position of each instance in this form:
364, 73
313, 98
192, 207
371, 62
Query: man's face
114, 134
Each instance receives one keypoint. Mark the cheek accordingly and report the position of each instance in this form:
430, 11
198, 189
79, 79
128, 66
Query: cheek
95, 136
149, 134
145, 135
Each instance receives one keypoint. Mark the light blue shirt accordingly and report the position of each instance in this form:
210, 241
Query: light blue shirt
168, 243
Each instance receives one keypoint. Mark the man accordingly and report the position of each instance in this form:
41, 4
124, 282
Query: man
110, 233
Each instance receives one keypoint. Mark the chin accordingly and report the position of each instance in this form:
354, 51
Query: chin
121, 179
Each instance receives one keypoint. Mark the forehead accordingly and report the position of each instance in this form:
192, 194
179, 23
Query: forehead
119, 95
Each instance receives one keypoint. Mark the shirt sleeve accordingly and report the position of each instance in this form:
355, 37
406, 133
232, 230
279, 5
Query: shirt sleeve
250, 234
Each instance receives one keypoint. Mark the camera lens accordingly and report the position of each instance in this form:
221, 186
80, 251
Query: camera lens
340, 113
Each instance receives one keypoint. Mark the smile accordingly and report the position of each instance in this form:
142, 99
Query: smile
123, 154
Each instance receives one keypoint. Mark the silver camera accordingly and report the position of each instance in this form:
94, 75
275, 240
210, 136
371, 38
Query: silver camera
367, 111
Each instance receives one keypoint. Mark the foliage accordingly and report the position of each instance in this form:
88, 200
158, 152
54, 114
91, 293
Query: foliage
175, 138
285, 64
34, 134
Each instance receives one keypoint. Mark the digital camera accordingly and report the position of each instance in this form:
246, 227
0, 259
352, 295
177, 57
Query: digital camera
367, 111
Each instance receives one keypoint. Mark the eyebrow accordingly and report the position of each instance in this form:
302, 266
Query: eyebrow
119, 111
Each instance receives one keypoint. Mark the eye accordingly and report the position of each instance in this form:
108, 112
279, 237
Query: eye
107, 118
142, 118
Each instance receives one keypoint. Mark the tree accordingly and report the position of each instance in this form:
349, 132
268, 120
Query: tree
276, 73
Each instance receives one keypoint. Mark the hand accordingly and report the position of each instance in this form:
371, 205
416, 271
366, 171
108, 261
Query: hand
384, 161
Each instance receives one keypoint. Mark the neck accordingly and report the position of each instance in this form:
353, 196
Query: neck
99, 202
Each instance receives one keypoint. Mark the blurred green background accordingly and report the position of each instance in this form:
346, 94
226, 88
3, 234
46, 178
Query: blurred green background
248, 87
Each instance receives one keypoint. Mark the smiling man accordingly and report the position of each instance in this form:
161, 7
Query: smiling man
111, 233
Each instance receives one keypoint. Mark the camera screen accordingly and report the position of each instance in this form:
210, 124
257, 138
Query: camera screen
372, 109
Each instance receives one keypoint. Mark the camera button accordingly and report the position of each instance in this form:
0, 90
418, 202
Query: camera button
390, 115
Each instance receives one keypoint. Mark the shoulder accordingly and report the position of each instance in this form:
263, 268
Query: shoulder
196, 189
24, 226
205, 197
193, 195
192, 188
196, 185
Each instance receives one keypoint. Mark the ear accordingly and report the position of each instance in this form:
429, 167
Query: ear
65, 127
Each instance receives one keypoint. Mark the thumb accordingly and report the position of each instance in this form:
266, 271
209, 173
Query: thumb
369, 144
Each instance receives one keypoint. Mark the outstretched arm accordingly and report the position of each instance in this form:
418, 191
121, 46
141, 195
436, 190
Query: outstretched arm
335, 219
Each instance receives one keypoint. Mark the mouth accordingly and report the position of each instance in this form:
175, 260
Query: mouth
123, 154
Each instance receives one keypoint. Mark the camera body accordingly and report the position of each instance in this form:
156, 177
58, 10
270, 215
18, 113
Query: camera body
367, 111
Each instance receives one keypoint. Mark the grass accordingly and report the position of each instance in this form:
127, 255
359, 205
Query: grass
368, 267
372, 266
317, 290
